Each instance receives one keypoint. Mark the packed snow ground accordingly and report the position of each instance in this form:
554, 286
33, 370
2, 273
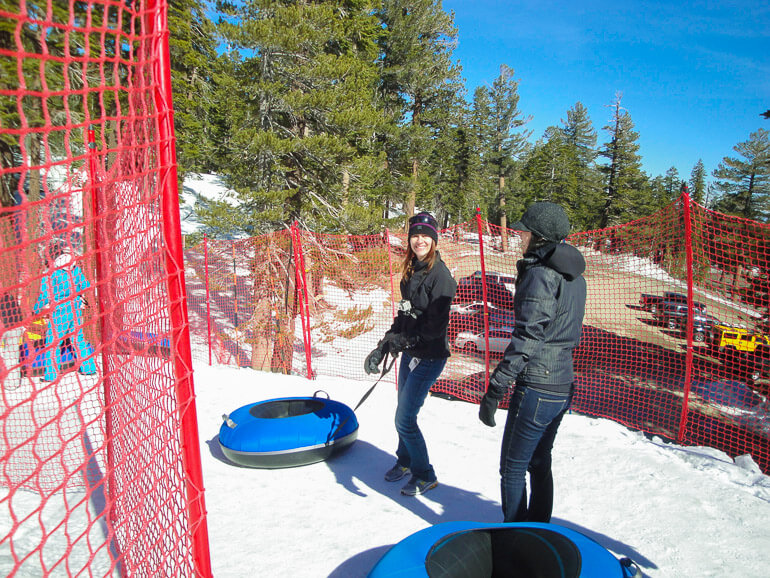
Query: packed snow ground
676, 511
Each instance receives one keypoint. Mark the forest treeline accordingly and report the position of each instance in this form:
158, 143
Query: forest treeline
346, 114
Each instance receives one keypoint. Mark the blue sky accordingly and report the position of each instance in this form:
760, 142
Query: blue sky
693, 75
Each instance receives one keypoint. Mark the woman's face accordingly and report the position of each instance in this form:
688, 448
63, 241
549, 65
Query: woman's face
420, 245
526, 237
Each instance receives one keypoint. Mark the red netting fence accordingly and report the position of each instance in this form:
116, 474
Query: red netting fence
100, 473
675, 340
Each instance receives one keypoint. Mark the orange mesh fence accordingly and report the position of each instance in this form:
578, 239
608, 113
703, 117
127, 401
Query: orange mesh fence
100, 473
241, 299
675, 339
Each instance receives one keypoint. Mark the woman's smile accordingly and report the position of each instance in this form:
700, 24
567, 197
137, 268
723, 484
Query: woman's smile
421, 245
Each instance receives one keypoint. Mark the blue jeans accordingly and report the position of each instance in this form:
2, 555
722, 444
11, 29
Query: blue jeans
413, 387
533, 418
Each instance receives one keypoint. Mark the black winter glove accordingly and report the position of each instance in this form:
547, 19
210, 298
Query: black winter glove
487, 409
498, 385
398, 342
372, 361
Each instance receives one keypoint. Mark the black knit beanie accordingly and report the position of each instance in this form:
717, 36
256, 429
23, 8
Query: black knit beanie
424, 224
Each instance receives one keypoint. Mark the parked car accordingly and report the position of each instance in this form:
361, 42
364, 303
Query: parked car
473, 342
674, 317
653, 303
472, 319
737, 339
755, 365
499, 289
469, 308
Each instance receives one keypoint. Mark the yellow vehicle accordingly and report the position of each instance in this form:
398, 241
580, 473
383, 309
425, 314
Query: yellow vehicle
738, 338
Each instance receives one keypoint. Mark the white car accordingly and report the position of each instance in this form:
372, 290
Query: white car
475, 342
468, 308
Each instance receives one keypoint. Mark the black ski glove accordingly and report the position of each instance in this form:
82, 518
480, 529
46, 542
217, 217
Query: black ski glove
487, 409
374, 359
499, 384
399, 342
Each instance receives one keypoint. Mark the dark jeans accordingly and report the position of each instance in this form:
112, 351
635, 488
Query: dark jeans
413, 387
533, 418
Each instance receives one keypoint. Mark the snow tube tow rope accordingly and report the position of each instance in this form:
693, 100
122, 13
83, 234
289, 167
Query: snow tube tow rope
385, 369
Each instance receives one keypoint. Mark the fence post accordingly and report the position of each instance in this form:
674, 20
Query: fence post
104, 315
208, 294
392, 288
484, 294
235, 293
685, 197
180, 325
304, 307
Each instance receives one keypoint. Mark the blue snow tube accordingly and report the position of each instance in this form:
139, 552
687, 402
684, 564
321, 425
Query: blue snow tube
476, 550
287, 432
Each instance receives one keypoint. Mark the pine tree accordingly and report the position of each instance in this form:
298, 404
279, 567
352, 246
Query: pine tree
507, 141
39, 105
672, 183
420, 85
481, 129
193, 56
624, 179
744, 183
549, 172
303, 114
698, 183
579, 133
454, 167
585, 200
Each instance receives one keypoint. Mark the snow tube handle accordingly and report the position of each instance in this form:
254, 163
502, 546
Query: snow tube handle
630, 568
321, 391
230, 423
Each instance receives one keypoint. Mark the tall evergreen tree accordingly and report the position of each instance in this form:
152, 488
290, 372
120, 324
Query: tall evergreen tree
549, 171
672, 183
304, 116
624, 179
192, 47
744, 182
454, 167
580, 136
579, 133
28, 37
507, 141
698, 182
420, 83
659, 192
481, 128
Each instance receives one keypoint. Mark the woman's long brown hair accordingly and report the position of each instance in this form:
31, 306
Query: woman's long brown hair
406, 266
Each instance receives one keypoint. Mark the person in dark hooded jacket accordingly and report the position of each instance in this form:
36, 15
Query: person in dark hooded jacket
419, 333
549, 305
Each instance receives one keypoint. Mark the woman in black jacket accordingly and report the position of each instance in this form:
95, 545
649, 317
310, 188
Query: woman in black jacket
549, 305
420, 332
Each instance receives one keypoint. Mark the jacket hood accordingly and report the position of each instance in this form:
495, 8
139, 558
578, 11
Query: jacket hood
562, 258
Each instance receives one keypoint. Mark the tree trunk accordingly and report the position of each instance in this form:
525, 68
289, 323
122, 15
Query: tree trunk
345, 186
503, 216
412, 199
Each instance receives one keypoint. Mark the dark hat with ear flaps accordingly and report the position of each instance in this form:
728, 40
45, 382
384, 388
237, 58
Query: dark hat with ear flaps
546, 220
